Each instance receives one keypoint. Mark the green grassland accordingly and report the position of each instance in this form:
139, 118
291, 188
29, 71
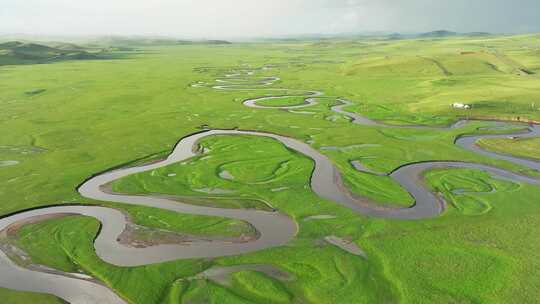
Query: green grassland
99, 114
38, 240
16, 297
285, 101
523, 147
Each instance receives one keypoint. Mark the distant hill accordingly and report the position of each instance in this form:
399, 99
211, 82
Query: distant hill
16, 52
23, 52
434, 35
478, 34
131, 42
438, 34
189, 42
446, 34
115, 41
395, 36
67, 46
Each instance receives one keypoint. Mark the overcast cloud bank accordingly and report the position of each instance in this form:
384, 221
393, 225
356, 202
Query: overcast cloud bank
253, 18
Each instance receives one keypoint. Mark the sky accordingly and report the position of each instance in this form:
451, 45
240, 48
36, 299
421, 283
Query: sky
213, 19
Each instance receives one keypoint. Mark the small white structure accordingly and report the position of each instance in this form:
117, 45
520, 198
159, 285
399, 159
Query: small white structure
459, 105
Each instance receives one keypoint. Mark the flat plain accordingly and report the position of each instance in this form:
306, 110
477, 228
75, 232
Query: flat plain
66, 120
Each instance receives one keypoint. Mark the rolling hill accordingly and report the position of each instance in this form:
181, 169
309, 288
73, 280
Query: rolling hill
16, 52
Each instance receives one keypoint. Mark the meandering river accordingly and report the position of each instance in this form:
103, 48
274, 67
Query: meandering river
275, 228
